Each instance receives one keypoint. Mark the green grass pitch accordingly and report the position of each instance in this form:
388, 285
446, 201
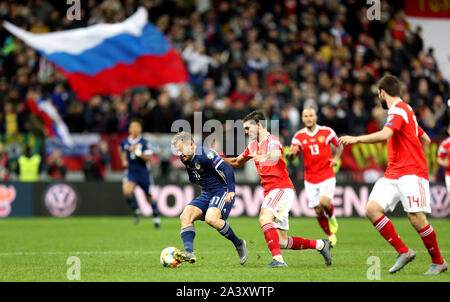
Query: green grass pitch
113, 249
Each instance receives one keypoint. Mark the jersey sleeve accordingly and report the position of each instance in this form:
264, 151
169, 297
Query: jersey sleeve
395, 119
274, 145
420, 131
296, 142
213, 159
146, 148
332, 138
246, 152
442, 151
122, 146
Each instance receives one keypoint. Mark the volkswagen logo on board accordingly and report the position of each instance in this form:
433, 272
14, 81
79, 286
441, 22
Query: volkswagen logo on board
61, 200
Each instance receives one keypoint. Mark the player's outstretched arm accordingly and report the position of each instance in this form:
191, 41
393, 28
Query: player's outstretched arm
337, 154
379, 136
123, 158
425, 141
273, 156
236, 162
229, 176
293, 152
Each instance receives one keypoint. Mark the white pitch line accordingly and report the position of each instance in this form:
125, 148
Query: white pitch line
3, 254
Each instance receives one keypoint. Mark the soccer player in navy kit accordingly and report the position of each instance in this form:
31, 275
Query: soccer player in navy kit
216, 179
135, 153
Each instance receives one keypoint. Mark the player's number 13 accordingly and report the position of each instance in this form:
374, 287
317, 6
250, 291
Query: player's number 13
314, 149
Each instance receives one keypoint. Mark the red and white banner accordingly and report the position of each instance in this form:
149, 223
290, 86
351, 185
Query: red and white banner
427, 8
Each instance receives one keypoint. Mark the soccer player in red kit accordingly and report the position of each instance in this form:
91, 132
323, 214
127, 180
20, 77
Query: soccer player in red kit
315, 141
443, 155
267, 153
405, 179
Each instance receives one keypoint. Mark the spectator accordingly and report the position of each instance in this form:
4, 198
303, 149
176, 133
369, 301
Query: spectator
357, 118
74, 119
4, 165
242, 92
94, 166
28, 166
422, 96
276, 74
240, 56
162, 114
56, 169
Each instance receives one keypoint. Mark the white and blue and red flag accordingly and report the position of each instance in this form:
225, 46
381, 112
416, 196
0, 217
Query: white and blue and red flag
110, 58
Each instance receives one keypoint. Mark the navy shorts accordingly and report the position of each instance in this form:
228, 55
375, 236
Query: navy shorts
143, 180
207, 200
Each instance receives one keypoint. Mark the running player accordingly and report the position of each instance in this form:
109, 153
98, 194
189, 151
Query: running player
405, 179
135, 153
315, 141
267, 153
443, 156
216, 179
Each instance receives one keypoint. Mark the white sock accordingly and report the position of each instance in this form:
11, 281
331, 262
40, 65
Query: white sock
279, 258
319, 244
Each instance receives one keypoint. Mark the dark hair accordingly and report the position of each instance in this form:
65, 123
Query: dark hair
137, 120
390, 84
257, 116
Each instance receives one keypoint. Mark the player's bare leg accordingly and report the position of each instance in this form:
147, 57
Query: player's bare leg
325, 217
213, 217
266, 219
324, 223
328, 208
384, 226
187, 219
156, 219
128, 191
323, 246
420, 223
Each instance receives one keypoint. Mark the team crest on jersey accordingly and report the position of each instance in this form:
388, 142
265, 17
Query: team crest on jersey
305, 142
321, 139
197, 166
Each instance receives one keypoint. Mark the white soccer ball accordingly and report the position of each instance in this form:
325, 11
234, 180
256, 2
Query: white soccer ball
167, 257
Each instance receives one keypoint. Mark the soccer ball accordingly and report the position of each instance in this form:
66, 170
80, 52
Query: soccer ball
167, 258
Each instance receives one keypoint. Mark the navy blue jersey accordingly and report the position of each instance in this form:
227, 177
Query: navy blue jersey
136, 165
210, 171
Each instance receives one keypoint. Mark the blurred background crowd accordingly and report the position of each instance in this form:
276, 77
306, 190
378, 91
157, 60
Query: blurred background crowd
276, 55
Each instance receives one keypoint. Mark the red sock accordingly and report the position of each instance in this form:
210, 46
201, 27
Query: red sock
323, 222
428, 236
298, 243
272, 239
330, 211
387, 230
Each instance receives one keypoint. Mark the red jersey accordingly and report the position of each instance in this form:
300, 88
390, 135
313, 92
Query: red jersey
444, 152
316, 149
273, 176
405, 153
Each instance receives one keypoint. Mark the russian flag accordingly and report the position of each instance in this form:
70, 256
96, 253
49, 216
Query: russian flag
110, 58
51, 119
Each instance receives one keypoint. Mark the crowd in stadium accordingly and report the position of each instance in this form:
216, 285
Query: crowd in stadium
278, 56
